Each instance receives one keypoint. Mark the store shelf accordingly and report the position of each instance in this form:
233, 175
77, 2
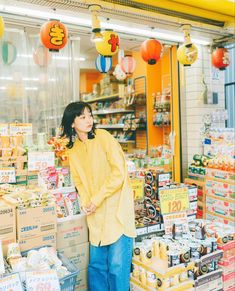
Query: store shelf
217, 197
163, 271
125, 141
110, 126
112, 111
103, 98
187, 285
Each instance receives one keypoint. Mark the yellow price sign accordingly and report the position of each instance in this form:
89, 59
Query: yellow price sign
173, 200
137, 186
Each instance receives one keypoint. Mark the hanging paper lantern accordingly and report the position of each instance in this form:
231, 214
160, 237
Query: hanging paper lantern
54, 35
9, 53
220, 58
42, 56
103, 64
187, 53
151, 51
109, 45
118, 73
1, 27
128, 64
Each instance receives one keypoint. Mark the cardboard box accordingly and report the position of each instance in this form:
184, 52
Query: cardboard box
72, 232
78, 255
7, 220
38, 242
34, 222
82, 281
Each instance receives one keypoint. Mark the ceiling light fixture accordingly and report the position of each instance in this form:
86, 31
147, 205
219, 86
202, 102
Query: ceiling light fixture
85, 22
96, 30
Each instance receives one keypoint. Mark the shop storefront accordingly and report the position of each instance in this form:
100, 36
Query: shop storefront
158, 77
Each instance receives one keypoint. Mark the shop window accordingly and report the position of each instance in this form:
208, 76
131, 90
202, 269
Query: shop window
230, 89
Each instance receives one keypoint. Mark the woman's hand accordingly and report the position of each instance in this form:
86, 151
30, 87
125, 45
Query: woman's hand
91, 208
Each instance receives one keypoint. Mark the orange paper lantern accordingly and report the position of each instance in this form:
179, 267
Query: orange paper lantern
220, 58
54, 35
151, 51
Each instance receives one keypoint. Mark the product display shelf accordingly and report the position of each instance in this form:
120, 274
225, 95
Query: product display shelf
220, 191
110, 126
112, 111
103, 98
159, 268
163, 272
136, 285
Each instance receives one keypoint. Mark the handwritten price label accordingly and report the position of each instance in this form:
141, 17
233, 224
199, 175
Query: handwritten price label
11, 282
7, 175
21, 128
40, 160
174, 200
137, 186
42, 281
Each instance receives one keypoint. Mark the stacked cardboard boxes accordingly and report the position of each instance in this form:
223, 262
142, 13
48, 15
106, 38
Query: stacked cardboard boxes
72, 241
7, 225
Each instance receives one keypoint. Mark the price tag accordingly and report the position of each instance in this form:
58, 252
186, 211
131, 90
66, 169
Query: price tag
42, 281
141, 230
154, 228
21, 128
173, 200
40, 160
3, 129
179, 218
11, 282
138, 188
7, 175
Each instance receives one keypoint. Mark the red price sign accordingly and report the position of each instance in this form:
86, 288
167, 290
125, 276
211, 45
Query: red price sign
42, 281
40, 160
174, 200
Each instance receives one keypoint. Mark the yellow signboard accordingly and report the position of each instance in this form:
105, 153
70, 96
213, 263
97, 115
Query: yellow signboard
173, 200
138, 188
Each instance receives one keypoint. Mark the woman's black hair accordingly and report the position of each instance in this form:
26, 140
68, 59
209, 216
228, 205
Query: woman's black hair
71, 111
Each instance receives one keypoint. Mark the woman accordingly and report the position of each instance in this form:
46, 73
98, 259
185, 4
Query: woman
100, 175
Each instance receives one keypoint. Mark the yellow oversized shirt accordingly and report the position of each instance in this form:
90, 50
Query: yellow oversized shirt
100, 175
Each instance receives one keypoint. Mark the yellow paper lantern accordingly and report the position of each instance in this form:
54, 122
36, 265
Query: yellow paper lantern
1, 27
109, 46
187, 54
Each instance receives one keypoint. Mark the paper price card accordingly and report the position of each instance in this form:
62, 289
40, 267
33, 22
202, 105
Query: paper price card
137, 186
175, 218
7, 175
40, 160
42, 281
173, 200
11, 282
21, 128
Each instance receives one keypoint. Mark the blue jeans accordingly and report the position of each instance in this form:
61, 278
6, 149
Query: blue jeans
109, 267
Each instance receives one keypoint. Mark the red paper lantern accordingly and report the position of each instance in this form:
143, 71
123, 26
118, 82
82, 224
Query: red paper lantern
54, 35
128, 64
220, 58
151, 51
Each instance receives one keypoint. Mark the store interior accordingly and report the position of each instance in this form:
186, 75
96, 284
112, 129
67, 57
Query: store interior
164, 90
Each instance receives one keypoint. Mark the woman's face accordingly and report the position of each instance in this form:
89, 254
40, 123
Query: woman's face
84, 122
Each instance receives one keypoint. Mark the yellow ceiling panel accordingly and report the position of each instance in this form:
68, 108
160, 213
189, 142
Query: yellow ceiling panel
221, 10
